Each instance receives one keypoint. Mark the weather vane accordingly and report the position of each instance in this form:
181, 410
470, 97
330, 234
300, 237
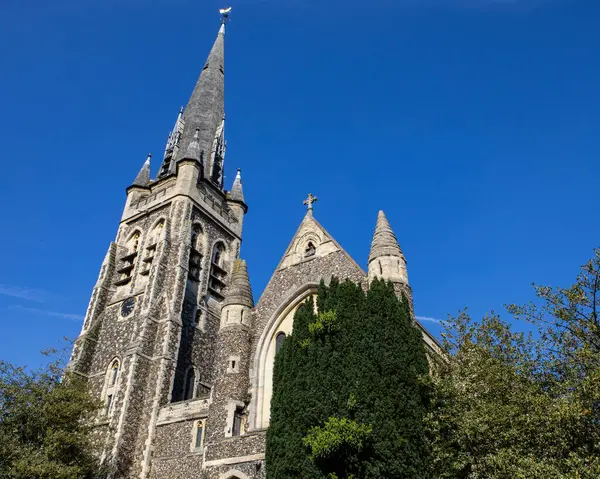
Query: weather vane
225, 14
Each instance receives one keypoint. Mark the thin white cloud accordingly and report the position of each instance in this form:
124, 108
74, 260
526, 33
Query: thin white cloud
45, 312
28, 294
428, 319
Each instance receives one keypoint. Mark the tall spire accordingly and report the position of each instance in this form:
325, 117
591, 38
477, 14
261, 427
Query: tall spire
386, 260
205, 109
143, 177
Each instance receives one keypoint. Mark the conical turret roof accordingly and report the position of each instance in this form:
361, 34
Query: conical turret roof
143, 177
239, 290
237, 192
384, 240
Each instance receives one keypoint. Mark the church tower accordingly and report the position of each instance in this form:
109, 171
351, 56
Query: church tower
149, 340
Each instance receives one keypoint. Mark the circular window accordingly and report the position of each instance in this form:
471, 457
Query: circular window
127, 307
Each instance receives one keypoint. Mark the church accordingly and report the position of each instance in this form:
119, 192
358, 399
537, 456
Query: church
173, 343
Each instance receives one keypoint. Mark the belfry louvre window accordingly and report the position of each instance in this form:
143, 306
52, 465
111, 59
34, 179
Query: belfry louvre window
195, 254
127, 262
150, 250
218, 273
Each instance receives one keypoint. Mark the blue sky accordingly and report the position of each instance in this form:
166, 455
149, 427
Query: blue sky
473, 124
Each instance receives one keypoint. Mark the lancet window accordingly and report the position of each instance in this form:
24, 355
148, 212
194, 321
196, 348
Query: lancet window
150, 249
279, 339
127, 261
110, 386
197, 435
217, 271
195, 264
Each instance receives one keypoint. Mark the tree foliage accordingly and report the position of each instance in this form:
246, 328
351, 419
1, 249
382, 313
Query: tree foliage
522, 406
44, 425
349, 393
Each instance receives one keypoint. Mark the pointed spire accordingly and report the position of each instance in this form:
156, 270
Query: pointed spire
239, 290
193, 149
386, 260
143, 177
237, 193
384, 240
206, 107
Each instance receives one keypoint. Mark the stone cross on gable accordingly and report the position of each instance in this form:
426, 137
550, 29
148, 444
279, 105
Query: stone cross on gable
309, 201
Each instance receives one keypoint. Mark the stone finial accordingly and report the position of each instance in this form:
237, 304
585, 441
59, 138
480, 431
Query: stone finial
239, 290
384, 240
237, 192
143, 177
192, 152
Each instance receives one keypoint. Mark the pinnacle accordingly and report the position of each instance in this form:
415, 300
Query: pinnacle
237, 192
384, 240
143, 177
193, 150
239, 290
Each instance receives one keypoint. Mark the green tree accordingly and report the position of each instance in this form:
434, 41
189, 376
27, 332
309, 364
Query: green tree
522, 406
45, 430
350, 389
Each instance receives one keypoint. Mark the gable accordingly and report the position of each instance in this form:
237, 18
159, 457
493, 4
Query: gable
296, 277
310, 241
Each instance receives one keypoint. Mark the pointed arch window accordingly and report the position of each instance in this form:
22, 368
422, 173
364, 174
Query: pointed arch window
197, 435
110, 386
127, 261
217, 271
310, 250
150, 250
279, 339
195, 263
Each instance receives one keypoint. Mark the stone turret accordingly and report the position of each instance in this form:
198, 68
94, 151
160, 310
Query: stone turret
386, 260
228, 410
